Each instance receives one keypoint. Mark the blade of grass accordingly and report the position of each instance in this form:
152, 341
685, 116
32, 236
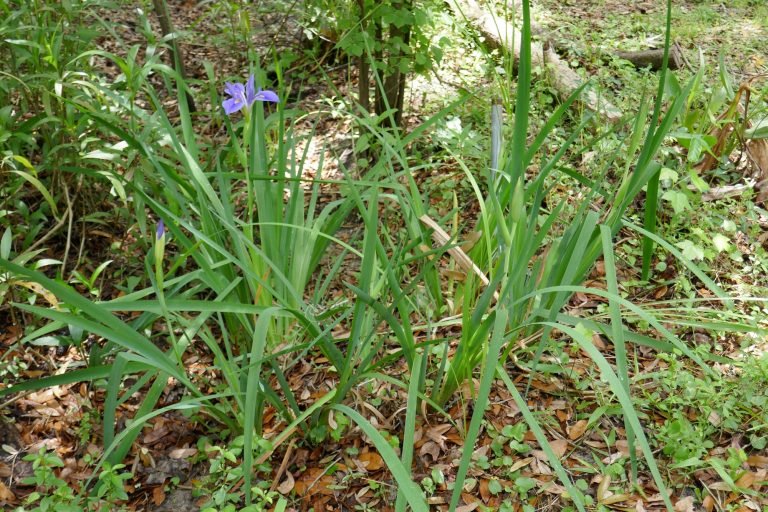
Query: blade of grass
486, 381
649, 219
412, 407
617, 335
653, 184
585, 342
573, 492
412, 492
252, 392
710, 284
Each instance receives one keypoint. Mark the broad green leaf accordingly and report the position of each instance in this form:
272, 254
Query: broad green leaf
721, 242
690, 250
677, 199
5, 244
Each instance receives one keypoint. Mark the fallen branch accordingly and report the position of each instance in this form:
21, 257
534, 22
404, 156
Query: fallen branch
654, 58
716, 193
502, 34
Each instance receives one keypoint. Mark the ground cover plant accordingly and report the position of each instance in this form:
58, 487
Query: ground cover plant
277, 276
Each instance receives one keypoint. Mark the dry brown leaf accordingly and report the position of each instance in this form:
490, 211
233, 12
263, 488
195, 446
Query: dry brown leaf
616, 498
371, 461
559, 446
684, 504
430, 448
182, 453
602, 488
437, 433
158, 495
760, 461
746, 480
454, 274
314, 480
597, 341
6, 494
287, 485
520, 464
156, 434
485, 493
552, 488
623, 446
39, 290
577, 430
470, 506
708, 503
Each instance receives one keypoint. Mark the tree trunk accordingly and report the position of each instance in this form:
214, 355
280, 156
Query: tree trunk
161, 10
394, 82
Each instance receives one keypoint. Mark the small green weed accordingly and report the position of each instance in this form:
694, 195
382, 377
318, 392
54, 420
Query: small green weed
703, 407
225, 471
52, 494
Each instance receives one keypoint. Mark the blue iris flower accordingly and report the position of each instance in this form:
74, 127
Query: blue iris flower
241, 96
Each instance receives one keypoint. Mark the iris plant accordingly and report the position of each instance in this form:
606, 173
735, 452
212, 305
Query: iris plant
241, 97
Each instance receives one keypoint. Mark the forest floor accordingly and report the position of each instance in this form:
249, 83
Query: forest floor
713, 455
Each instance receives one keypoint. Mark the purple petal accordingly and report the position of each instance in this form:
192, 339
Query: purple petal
250, 91
266, 96
160, 229
232, 105
235, 90
236, 99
